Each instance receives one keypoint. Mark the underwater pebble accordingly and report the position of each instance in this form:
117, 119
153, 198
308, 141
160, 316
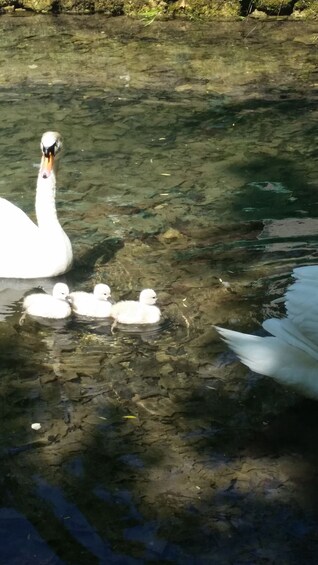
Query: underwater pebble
167, 369
171, 233
36, 426
162, 357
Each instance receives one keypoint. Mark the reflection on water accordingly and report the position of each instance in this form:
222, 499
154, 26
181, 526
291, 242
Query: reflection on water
188, 167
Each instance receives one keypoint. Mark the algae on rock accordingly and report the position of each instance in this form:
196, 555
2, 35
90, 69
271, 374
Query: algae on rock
306, 9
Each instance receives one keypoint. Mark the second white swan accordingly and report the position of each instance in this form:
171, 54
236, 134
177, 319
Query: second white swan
290, 354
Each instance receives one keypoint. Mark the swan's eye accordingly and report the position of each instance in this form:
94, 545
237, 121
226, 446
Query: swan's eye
53, 149
58, 145
47, 151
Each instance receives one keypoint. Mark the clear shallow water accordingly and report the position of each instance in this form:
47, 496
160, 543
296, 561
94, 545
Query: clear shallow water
189, 157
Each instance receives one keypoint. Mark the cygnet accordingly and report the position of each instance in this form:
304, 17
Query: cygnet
92, 304
54, 306
142, 311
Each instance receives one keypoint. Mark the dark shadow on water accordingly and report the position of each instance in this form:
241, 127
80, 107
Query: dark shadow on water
109, 484
102, 252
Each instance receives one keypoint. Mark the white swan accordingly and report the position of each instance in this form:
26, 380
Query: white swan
143, 311
54, 306
93, 305
28, 250
290, 354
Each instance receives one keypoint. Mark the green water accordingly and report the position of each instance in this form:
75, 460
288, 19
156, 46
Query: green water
189, 162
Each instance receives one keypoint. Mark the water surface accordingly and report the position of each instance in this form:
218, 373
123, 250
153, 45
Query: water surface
189, 166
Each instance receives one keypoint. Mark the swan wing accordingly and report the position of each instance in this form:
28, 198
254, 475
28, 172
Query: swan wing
302, 295
306, 273
274, 358
28, 252
306, 279
300, 298
302, 307
308, 325
18, 235
287, 331
12, 217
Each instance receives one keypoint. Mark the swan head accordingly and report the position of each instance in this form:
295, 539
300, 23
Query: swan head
148, 296
102, 291
60, 291
51, 144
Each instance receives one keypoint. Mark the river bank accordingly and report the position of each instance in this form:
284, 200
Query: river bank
150, 10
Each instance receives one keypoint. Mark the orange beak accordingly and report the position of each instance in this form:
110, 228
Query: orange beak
47, 165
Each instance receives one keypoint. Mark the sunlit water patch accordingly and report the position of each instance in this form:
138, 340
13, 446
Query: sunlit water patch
189, 167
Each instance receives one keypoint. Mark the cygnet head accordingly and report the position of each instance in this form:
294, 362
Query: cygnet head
60, 291
148, 296
102, 291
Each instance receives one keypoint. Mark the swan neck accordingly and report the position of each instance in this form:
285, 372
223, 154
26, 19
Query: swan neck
45, 206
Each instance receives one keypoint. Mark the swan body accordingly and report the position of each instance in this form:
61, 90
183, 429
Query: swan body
54, 306
93, 305
30, 250
142, 311
290, 354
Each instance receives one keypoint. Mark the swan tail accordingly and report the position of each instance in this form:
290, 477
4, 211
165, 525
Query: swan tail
261, 354
272, 357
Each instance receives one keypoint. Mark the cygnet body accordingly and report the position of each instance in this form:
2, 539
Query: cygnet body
55, 305
92, 304
142, 311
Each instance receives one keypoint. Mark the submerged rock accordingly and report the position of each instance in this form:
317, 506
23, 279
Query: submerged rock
170, 234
